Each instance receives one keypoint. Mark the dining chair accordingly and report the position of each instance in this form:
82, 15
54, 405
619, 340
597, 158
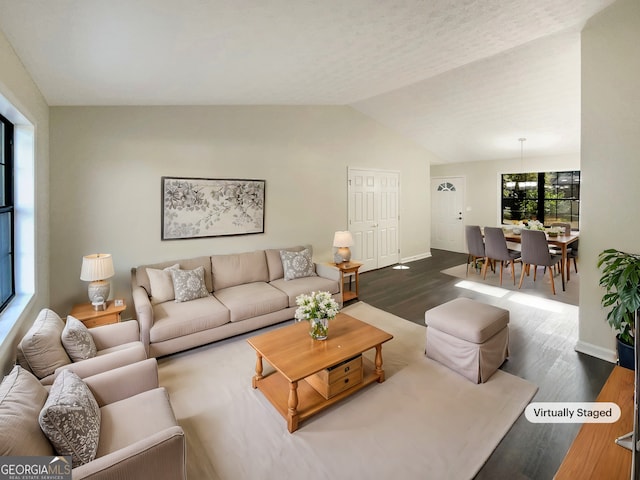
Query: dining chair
535, 251
496, 249
475, 244
572, 251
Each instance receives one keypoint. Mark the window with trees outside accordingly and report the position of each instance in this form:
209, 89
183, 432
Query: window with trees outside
7, 284
548, 197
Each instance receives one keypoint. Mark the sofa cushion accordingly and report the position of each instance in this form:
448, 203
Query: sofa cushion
172, 320
251, 300
70, 418
77, 341
42, 347
274, 261
161, 283
132, 419
297, 264
22, 397
237, 269
189, 284
306, 285
142, 278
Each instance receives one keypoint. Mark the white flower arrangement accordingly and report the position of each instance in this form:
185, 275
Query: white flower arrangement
534, 225
317, 305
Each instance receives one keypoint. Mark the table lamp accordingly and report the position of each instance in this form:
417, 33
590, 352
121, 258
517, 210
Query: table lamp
96, 268
342, 240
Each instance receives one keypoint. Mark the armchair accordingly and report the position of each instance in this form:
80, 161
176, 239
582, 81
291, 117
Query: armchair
41, 350
139, 437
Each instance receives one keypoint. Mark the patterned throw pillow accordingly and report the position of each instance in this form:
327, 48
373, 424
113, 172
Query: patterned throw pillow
189, 284
70, 419
77, 340
297, 264
161, 284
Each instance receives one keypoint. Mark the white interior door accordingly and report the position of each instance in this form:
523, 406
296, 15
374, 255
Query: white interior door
373, 217
388, 248
447, 215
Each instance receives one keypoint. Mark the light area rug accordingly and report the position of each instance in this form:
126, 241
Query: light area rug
424, 421
540, 288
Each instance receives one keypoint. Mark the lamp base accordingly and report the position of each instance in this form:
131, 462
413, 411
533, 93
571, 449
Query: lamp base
344, 253
98, 293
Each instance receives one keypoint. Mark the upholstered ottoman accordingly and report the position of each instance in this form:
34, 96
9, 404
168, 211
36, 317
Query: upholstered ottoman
469, 337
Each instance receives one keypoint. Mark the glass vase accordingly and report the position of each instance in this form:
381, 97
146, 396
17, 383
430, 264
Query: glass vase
319, 328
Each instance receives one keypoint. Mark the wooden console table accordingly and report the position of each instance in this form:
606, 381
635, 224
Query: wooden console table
594, 454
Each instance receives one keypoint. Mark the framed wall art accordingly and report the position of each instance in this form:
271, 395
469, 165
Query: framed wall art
210, 207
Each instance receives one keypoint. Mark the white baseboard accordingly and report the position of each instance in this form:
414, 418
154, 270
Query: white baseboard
596, 351
415, 257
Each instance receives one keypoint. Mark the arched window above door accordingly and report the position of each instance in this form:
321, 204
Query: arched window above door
446, 187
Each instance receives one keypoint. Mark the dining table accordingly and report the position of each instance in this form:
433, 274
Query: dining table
562, 240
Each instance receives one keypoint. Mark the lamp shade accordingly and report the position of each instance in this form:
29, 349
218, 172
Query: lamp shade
343, 239
97, 266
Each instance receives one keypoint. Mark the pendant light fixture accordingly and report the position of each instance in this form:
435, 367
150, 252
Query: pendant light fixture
522, 140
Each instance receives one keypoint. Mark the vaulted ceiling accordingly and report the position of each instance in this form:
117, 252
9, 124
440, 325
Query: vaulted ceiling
463, 78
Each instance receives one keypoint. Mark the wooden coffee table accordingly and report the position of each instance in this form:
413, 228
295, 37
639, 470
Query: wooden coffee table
295, 356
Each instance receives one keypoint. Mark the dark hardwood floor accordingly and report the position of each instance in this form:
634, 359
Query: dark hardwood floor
542, 344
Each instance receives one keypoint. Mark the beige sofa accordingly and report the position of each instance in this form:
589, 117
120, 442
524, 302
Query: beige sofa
136, 432
244, 292
51, 346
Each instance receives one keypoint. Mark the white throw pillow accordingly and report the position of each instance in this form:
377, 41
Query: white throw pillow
161, 284
70, 419
297, 264
77, 340
189, 284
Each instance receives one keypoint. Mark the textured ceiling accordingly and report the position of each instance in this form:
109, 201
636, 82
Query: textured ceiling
463, 78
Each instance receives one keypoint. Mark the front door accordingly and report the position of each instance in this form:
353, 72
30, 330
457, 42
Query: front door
447, 199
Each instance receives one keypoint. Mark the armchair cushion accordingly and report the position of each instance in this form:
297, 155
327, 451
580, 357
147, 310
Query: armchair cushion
77, 341
41, 347
22, 397
297, 264
70, 419
105, 360
132, 419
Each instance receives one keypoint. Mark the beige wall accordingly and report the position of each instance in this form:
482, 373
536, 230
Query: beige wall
18, 90
610, 157
107, 163
482, 195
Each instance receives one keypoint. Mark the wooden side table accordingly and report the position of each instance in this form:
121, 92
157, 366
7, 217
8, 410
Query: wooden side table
347, 268
94, 318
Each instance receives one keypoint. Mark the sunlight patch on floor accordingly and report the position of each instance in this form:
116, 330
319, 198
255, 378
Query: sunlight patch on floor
482, 288
542, 303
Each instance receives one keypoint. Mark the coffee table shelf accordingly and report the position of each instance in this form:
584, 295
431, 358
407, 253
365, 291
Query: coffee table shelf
276, 389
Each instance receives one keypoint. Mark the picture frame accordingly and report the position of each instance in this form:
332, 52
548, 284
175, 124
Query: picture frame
211, 207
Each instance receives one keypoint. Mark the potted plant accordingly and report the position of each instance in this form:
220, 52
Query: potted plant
621, 280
